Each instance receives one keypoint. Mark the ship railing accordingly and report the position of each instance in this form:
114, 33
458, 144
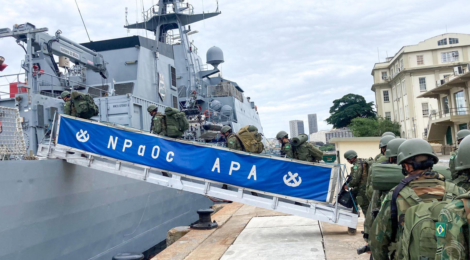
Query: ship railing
184, 8
6, 80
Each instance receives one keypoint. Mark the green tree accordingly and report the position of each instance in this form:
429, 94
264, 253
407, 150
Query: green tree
350, 106
328, 147
364, 127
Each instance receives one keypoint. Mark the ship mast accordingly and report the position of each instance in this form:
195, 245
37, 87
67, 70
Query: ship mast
171, 15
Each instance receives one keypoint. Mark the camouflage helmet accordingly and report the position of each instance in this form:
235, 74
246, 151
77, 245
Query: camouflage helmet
225, 129
281, 135
384, 140
392, 147
152, 108
388, 133
462, 133
414, 147
348, 155
462, 159
64, 94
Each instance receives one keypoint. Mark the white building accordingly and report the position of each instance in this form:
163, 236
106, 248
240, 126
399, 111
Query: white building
319, 136
414, 70
296, 128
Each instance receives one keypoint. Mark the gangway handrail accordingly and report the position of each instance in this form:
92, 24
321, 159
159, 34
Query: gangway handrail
323, 211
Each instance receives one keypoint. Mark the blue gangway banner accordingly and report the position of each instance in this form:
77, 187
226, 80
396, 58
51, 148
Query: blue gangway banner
269, 174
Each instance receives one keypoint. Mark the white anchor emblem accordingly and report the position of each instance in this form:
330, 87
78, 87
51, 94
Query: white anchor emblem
82, 136
292, 177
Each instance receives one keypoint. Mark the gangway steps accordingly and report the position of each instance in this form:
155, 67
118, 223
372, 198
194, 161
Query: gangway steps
314, 210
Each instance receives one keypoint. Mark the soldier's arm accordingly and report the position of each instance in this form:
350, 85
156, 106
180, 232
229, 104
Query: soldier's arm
451, 241
67, 108
381, 231
356, 172
157, 126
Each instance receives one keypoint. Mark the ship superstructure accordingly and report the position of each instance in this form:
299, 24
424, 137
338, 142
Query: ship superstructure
79, 213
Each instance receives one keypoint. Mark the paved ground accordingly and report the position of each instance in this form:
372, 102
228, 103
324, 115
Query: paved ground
278, 238
247, 232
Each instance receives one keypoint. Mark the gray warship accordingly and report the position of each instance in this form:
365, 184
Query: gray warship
54, 210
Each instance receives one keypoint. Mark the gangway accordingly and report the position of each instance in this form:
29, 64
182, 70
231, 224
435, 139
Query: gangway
279, 184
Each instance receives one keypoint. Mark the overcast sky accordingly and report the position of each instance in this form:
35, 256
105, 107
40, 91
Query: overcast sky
291, 57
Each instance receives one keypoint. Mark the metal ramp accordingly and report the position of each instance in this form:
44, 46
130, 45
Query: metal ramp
327, 211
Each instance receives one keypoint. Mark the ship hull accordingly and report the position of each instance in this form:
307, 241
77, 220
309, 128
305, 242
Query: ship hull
53, 210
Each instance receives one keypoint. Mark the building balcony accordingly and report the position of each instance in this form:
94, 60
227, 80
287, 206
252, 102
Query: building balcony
439, 121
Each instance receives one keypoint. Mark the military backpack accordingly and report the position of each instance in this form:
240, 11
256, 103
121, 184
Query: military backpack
304, 150
251, 139
84, 105
418, 239
176, 122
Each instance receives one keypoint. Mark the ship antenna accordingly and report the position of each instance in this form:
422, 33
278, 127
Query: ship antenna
82, 20
143, 17
217, 5
127, 23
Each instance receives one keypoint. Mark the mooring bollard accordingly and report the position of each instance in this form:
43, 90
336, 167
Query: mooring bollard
205, 220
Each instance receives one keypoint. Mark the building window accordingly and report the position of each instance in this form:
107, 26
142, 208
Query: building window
450, 56
388, 115
384, 75
175, 102
401, 64
453, 40
420, 59
460, 103
445, 105
173, 76
442, 42
425, 108
386, 96
422, 84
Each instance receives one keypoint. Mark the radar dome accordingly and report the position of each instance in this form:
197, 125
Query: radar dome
215, 56
226, 110
216, 105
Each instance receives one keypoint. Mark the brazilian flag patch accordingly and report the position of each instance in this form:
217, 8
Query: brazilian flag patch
440, 229
355, 167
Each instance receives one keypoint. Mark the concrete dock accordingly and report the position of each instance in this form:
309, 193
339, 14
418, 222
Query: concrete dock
247, 232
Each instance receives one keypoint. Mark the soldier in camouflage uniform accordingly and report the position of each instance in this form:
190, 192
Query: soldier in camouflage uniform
158, 125
453, 237
69, 109
416, 157
383, 147
379, 158
232, 141
462, 165
460, 136
377, 196
286, 146
359, 179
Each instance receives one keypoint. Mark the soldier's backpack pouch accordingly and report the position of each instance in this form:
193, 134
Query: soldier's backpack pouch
84, 105
176, 122
385, 176
251, 139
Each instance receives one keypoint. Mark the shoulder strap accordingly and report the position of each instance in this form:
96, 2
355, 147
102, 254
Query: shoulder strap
393, 205
151, 123
239, 141
467, 209
449, 193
